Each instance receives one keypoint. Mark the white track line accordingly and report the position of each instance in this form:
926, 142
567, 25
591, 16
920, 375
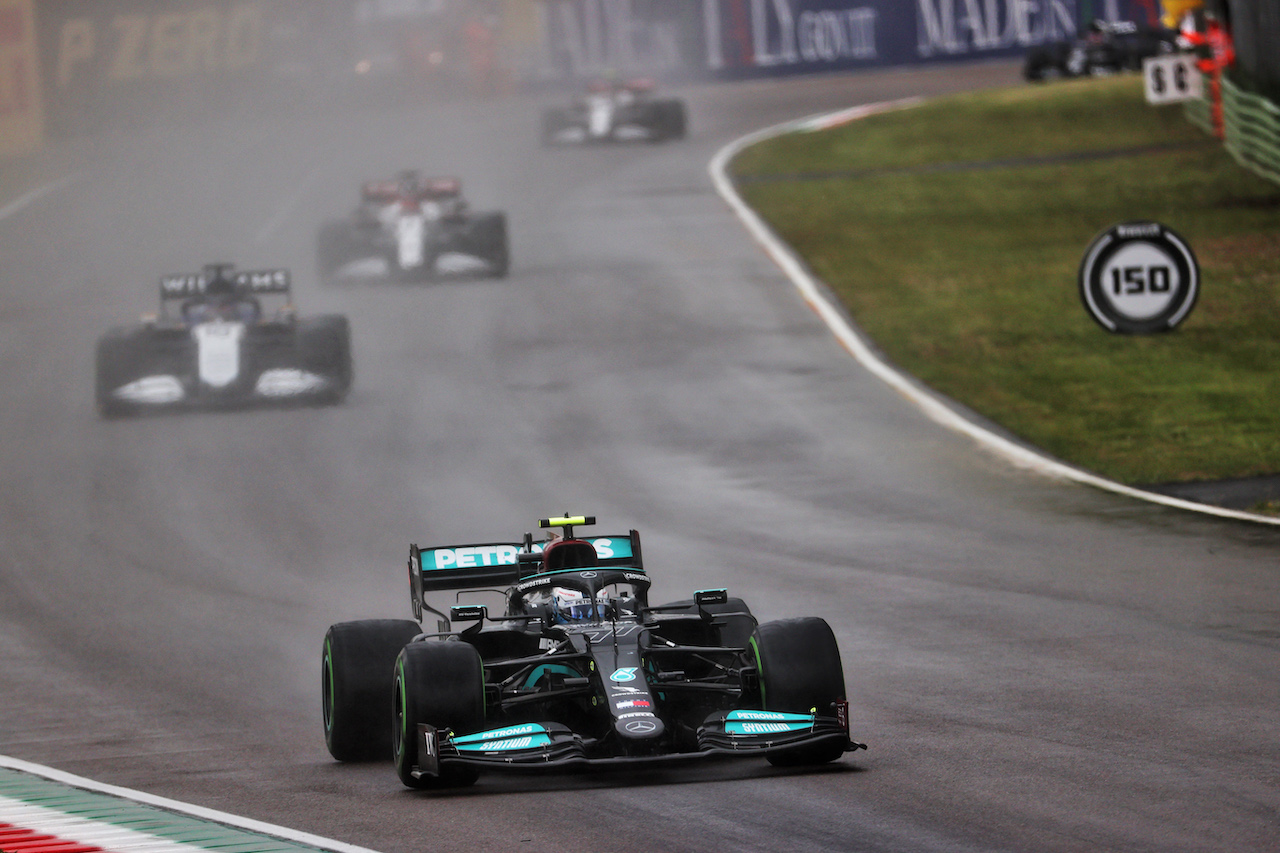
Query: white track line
932, 404
22, 201
183, 808
286, 207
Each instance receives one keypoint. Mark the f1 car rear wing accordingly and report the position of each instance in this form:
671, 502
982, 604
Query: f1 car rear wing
503, 564
427, 188
248, 282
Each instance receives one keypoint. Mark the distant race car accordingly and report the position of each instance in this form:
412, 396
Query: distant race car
615, 112
211, 344
415, 228
1108, 47
577, 671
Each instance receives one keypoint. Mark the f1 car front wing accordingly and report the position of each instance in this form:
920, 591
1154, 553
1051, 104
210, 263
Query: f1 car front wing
533, 747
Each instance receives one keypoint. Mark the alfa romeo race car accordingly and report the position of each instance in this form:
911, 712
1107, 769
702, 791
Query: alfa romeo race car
615, 112
1108, 47
212, 344
415, 228
577, 670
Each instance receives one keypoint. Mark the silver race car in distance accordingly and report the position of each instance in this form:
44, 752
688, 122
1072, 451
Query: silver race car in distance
616, 112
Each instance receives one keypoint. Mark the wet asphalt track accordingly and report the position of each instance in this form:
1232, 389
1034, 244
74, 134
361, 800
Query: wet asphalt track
1036, 666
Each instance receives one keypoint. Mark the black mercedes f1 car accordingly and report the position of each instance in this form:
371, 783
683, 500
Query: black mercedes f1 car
1108, 47
213, 344
414, 228
615, 112
578, 670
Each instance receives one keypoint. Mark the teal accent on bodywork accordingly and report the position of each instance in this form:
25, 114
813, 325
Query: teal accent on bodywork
463, 557
526, 736
527, 742
769, 716
766, 722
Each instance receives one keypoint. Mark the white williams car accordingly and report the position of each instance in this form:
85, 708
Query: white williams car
212, 344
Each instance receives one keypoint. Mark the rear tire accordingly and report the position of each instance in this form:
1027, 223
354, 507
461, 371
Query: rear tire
357, 673
440, 683
490, 234
333, 247
672, 119
800, 672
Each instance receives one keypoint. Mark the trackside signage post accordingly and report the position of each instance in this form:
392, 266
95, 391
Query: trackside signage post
1171, 78
1138, 278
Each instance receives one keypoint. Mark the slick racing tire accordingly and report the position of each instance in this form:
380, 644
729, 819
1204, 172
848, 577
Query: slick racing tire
324, 344
489, 235
114, 362
1045, 62
554, 121
800, 671
357, 672
333, 248
126, 354
440, 684
670, 120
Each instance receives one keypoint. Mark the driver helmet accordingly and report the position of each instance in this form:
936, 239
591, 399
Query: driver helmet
222, 300
571, 605
409, 182
217, 281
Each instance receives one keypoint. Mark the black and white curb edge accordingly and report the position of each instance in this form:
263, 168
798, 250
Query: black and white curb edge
932, 404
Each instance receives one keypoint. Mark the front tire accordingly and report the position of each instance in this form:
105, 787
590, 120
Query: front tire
114, 361
441, 684
357, 671
554, 120
324, 344
800, 672
672, 119
489, 237
333, 248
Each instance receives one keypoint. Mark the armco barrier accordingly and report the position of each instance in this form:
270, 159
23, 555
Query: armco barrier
1252, 125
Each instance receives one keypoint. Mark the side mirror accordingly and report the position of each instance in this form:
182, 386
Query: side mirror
466, 612
704, 597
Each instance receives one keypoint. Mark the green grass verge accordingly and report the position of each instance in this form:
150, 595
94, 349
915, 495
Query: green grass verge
966, 277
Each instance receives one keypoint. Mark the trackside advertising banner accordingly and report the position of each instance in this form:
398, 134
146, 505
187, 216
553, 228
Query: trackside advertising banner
21, 112
752, 38
119, 60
